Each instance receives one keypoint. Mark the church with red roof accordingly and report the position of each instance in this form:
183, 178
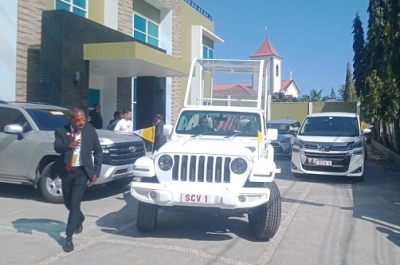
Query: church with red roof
268, 53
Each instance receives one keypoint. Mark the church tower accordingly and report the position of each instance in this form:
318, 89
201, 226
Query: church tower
273, 63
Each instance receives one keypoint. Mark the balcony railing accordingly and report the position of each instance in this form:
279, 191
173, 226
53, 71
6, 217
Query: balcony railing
199, 9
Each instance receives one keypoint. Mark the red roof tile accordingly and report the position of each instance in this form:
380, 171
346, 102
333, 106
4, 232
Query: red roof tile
285, 84
266, 49
224, 86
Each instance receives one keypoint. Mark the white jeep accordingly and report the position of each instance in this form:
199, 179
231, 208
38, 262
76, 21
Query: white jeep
218, 158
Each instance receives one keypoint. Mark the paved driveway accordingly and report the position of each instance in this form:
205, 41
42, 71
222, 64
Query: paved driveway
325, 220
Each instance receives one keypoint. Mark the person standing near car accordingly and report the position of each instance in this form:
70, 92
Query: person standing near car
76, 142
95, 117
159, 138
117, 117
124, 125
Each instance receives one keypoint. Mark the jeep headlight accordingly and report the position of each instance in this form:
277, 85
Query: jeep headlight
239, 166
165, 162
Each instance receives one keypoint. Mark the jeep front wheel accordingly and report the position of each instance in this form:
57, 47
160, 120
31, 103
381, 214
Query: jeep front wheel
265, 219
147, 217
50, 189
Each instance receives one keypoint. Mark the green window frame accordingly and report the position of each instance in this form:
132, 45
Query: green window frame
145, 30
78, 7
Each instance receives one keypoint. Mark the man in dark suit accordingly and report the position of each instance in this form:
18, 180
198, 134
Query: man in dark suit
159, 138
95, 117
75, 142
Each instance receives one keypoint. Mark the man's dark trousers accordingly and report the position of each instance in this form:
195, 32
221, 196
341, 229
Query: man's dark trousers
73, 187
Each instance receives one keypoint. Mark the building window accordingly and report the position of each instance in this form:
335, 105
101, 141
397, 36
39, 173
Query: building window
78, 7
277, 70
208, 53
145, 30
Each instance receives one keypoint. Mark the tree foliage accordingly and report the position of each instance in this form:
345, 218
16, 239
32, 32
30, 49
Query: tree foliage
359, 54
333, 94
376, 64
347, 91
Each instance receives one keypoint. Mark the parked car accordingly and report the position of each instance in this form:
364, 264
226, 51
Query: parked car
283, 145
27, 153
330, 143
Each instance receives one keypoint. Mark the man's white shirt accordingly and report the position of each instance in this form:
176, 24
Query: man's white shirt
76, 158
123, 126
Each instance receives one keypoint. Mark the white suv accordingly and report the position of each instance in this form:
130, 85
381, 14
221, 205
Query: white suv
330, 143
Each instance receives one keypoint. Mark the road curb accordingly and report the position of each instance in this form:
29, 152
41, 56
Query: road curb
389, 154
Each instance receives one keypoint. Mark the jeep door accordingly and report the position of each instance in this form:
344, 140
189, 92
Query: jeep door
14, 148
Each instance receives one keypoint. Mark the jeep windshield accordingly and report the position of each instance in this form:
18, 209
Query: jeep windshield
224, 123
330, 126
48, 119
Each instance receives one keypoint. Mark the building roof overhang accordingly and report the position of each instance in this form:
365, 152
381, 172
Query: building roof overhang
133, 59
211, 35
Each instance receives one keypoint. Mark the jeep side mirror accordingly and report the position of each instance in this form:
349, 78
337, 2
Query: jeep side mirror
13, 129
272, 134
167, 129
366, 131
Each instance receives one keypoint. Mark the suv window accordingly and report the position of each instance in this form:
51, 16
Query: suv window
47, 119
283, 128
330, 126
13, 116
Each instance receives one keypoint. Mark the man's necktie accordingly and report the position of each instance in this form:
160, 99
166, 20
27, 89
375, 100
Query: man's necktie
73, 158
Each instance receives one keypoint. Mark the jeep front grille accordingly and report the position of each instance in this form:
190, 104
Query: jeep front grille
121, 153
193, 168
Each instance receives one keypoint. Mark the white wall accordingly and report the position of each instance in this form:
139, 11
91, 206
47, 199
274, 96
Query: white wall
197, 52
111, 14
292, 91
276, 80
109, 99
8, 49
108, 95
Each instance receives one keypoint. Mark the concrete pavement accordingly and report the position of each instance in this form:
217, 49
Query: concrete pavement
325, 220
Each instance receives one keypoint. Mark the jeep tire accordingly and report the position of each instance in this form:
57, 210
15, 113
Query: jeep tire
50, 189
265, 219
147, 217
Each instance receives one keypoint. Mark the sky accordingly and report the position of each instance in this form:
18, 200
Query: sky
314, 36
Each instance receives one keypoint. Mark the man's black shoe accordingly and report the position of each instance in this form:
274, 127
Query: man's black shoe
79, 229
69, 246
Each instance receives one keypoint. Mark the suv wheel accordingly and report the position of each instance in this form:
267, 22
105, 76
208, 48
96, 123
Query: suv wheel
147, 217
51, 189
265, 219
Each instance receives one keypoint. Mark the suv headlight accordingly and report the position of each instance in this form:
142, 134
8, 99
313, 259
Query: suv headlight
165, 162
105, 149
239, 166
355, 145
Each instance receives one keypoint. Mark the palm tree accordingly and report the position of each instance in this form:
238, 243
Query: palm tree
316, 95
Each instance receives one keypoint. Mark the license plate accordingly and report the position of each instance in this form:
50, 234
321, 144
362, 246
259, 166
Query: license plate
324, 163
195, 198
